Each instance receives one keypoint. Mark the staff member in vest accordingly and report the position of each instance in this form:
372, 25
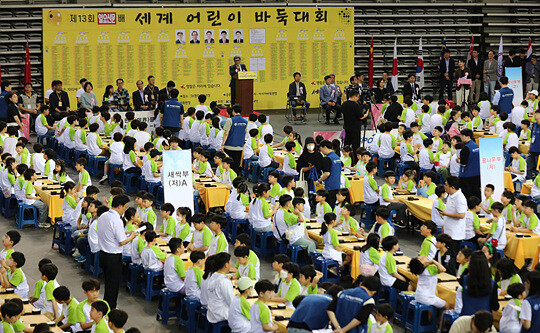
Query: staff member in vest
233, 70
478, 291
331, 176
112, 238
504, 97
28, 100
469, 158
310, 314
530, 316
172, 114
350, 311
454, 214
534, 150
234, 136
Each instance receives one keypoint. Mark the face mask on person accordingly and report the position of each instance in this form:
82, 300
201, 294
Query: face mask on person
310, 147
283, 274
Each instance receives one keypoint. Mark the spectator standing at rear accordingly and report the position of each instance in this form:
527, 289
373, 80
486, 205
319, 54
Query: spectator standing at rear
234, 135
454, 213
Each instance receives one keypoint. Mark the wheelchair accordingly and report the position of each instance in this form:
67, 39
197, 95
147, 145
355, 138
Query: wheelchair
298, 109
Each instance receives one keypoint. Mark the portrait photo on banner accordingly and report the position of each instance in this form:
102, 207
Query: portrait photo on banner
194, 36
180, 36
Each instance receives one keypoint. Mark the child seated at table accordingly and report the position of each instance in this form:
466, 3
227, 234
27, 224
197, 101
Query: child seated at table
463, 258
275, 187
80, 136
530, 220
381, 218
183, 228
194, 275
95, 145
261, 316
427, 186
132, 127
428, 230
117, 156
259, 211
14, 276
406, 184
444, 254
322, 206
251, 148
525, 133
510, 321
216, 135
267, 157
60, 174
69, 204
245, 267
387, 198
299, 193
508, 274
386, 142
219, 289
204, 169
349, 224
131, 163
518, 167
426, 287
31, 198
151, 170
497, 232
228, 175
239, 316
330, 239
507, 199
289, 287
152, 256
218, 243
142, 136
168, 227
289, 162
204, 131
11, 312
173, 269
37, 160
360, 168
425, 157
18, 187
238, 203
265, 128
510, 138
472, 221
97, 315
437, 141
370, 255
387, 266
84, 176
69, 305
22, 156
443, 158
202, 236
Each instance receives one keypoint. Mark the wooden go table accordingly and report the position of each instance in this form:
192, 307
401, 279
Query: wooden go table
49, 191
212, 193
27, 317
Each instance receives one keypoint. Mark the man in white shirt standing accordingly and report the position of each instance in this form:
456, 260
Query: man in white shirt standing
112, 238
454, 215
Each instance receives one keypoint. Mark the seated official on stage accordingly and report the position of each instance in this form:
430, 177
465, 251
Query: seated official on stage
233, 70
411, 88
297, 93
329, 99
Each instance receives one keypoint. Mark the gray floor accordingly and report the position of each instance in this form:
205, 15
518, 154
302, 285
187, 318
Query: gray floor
36, 244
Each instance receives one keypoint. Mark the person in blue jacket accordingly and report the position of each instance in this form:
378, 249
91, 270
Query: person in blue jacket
171, 116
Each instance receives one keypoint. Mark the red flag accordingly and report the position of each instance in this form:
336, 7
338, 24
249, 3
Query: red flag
471, 48
370, 65
394, 67
27, 72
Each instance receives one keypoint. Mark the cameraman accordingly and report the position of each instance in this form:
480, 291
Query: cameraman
353, 118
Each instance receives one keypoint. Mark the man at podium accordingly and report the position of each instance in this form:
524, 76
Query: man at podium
233, 70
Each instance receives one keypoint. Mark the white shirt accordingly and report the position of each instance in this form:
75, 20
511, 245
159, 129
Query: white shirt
423, 159
517, 115
455, 227
194, 132
386, 278
192, 288
426, 123
256, 326
266, 129
150, 261
485, 107
454, 165
117, 153
9, 145
374, 147
469, 228
111, 232
237, 321
255, 215
436, 120
386, 140
220, 296
202, 108
426, 287
409, 117
184, 132
91, 142
509, 322
172, 281
79, 92
39, 127
49, 92
93, 241
264, 157
142, 137
287, 168
250, 126
202, 134
38, 162
513, 141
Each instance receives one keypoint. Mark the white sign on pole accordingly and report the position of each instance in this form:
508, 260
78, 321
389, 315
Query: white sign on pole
492, 165
177, 178
146, 116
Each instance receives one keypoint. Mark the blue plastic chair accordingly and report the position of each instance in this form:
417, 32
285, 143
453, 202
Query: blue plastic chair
295, 253
234, 225
448, 319
165, 310
324, 265
188, 314
369, 217
150, 277
153, 188
42, 138
387, 295
22, 219
133, 284
254, 175
401, 167
94, 267
263, 174
96, 164
58, 235
112, 172
131, 182
418, 318
380, 165
160, 198
261, 242
402, 305
9, 206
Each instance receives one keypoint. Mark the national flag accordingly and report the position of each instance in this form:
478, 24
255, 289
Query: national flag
529, 50
394, 68
370, 65
443, 48
420, 66
27, 71
471, 48
500, 71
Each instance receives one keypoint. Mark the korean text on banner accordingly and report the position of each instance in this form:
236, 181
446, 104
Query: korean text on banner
194, 47
515, 82
492, 165
177, 178
146, 116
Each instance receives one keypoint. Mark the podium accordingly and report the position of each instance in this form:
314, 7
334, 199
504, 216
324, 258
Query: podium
244, 91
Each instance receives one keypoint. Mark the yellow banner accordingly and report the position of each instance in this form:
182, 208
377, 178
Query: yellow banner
195, 47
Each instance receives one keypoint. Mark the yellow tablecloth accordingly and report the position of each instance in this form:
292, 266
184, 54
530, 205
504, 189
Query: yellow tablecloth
508, 184
482, 134
54, 202
357, 190
516, 248
421, 208
526, 188
213, 196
